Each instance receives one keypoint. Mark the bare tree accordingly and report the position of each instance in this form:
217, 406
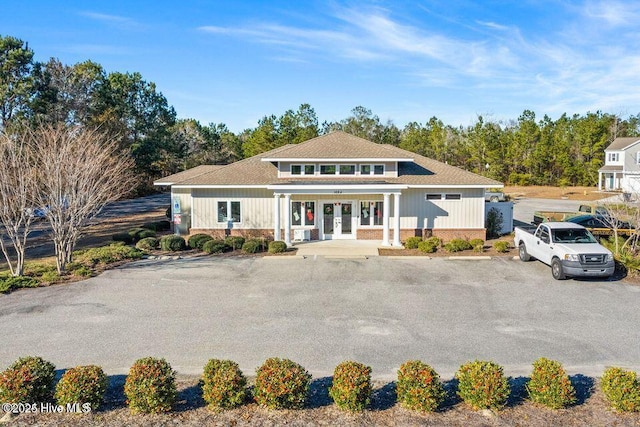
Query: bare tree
620, 215
80, 170
17, 187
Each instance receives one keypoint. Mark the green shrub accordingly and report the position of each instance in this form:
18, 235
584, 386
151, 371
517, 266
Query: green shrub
157, 225
477, 244
281, 384
621, 388
147, 244
27, 380
172, 243
427, 247
351, 386
82, 384
550, 385
235, 242
197, 240
50, 277
458, 245
252, 246
215, 247
150, 386
223, 385
82, 271
493, 223
501, 246
419, 387
123, 237
412, 242
8, 284
141, 233
277, 247
435, 241
482, 385
107, 254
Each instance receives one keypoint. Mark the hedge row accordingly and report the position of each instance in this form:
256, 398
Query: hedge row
283, 384
432, 244
208, 244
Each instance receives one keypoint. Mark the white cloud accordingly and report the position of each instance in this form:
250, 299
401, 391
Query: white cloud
121, 22
614, 13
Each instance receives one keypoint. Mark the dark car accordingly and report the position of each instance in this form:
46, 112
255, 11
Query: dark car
601, 226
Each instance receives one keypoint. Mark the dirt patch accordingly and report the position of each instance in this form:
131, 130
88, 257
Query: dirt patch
190, 410
545, 192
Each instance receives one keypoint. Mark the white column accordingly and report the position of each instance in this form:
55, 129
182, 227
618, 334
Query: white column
599, 181
276, 215
385, 220
396, 219
287, 219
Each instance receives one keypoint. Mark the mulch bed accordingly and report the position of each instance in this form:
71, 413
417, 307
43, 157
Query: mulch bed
190, 410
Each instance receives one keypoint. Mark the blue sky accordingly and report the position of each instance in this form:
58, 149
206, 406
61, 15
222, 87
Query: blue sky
234, 62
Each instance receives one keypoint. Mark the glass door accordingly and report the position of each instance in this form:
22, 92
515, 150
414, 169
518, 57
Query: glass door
337, 220
347, 215
327, 222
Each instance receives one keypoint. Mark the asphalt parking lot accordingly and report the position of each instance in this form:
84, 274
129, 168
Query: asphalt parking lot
320, 312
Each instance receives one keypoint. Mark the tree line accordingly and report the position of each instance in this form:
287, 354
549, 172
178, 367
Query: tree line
527, 151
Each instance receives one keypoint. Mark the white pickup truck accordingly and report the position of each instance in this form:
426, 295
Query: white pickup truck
570, 250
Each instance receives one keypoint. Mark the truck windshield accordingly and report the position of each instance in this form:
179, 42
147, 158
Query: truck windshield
572, 235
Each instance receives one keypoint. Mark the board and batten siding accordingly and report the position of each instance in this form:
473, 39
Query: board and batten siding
256, 208
417, 212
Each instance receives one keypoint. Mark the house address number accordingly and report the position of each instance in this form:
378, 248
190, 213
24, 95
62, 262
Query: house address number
337, 191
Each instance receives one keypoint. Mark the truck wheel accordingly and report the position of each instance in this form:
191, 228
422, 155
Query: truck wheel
522, 253
556, 269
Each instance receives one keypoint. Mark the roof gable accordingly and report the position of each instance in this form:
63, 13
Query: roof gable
622, 143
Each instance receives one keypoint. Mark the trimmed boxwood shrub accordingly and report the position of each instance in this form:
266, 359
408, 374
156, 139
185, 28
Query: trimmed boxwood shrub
458, 245
501, 246
28, 380
235, 242
281, 384
157, 225
419, 387
252, 246
351, 386
150, 386
277, 247
7, 284
621, 388
412, 242
482, 385
197, 240
427, 247
148, 244
215, 247
550, 385
82, 384
123, 237
172, 243
223, 385
141, 233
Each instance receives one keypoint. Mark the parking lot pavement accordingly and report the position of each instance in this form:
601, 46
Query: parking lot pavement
320, 312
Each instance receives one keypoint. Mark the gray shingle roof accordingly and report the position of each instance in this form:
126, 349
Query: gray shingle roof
622, 143
420, 171
187, 174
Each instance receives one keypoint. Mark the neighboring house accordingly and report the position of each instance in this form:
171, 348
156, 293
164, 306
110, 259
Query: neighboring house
621, 170
335, 186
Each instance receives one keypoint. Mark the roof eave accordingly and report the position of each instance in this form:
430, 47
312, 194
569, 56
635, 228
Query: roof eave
337, 159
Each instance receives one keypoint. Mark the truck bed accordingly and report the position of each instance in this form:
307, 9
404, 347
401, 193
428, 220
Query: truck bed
531, 229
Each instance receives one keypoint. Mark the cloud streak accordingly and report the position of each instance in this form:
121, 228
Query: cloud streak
121, 22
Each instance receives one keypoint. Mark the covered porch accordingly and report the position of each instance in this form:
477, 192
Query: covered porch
338, 212
609, 178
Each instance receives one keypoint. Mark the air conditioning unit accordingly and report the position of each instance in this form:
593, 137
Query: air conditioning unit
301, 235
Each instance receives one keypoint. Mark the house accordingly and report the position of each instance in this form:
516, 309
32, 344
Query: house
335, 186
621, 170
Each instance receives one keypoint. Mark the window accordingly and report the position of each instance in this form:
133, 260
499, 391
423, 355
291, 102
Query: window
303, 169
327, 169
433, 196
303, 213
371, 169
226, 207
347, 169
452, 197
613, 157
371, 213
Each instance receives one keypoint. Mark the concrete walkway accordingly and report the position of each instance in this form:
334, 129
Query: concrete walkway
338, 248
